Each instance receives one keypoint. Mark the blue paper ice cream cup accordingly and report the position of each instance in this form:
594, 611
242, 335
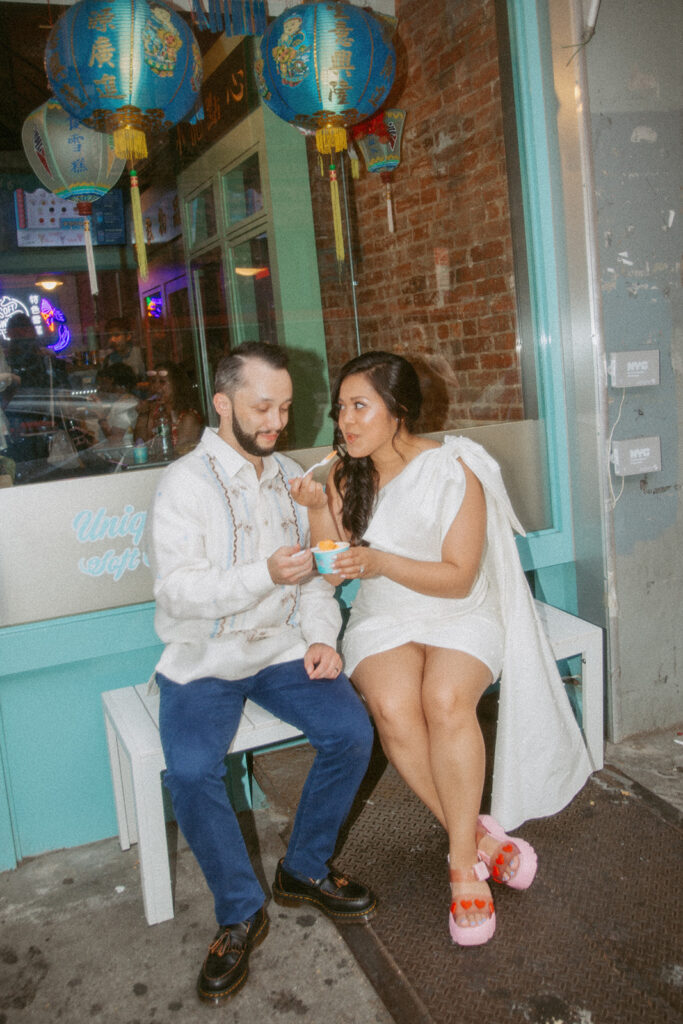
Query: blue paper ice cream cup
324, 560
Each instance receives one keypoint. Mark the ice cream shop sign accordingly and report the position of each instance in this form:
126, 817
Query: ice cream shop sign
74, 546
101, 529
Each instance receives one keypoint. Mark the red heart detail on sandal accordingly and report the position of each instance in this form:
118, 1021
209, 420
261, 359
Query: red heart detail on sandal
465, 904
480, 903
509, 848
500, 859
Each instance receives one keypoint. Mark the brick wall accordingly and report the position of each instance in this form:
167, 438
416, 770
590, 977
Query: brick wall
439, 290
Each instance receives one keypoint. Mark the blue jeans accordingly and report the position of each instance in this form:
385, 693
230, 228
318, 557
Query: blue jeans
198, 720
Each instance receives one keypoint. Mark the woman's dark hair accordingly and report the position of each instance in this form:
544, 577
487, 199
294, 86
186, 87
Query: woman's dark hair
182, 390
396, 382
119, 374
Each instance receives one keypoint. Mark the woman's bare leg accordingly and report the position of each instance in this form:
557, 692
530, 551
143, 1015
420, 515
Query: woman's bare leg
424, 701
453, 684
391, 683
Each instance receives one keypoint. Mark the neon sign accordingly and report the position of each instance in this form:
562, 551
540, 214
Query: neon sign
154, 306
56, 323
8, 307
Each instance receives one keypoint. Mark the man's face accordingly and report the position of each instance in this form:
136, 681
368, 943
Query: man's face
119, 341
254, 418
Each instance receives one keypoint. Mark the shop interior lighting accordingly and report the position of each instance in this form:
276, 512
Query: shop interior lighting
252, 271
49, 284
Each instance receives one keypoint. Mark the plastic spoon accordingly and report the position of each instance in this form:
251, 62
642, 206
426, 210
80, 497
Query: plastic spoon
323, 462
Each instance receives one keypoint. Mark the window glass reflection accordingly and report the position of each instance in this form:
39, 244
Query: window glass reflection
252, 291
242, 190
201, 214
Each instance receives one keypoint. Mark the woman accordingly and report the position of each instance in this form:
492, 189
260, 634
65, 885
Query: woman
442, 610
176, 400
117, 414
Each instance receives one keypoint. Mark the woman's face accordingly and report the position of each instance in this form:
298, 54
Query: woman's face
165, 387
364, 420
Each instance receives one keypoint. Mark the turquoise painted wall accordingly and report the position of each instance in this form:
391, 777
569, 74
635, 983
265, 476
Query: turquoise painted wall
59, 791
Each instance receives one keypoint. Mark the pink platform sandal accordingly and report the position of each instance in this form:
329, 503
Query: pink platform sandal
501, 861
464, 931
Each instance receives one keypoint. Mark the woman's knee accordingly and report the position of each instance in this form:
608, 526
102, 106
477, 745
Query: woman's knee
396, 718
447, 707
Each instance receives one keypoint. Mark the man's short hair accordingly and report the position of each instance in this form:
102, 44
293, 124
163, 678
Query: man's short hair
118, 325
229, 376
119, 374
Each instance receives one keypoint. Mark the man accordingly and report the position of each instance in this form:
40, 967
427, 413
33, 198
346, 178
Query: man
243, 614
120, 337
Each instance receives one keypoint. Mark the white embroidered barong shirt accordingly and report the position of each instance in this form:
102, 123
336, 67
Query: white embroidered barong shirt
215, 523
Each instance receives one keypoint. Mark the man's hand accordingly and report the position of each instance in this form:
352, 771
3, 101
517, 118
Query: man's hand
322, 662
307, 491
290, 566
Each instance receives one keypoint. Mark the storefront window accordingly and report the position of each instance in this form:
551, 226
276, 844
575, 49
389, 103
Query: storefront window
242, 190
241, 247
202, 217
252, 291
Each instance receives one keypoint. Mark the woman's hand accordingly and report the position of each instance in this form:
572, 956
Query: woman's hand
358, 563
308, 492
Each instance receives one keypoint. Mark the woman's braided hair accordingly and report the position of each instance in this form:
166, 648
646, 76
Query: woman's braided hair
396, 382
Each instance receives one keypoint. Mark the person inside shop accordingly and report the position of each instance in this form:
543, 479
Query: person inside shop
37, 381
175, 399
243, 615
8, 381
443, 610
115, 405
32, 363
119, 335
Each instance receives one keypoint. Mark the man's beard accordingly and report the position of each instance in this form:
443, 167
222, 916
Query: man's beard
249, 442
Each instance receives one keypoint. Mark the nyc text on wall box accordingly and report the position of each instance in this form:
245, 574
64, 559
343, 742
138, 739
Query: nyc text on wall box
634, 369
636, 455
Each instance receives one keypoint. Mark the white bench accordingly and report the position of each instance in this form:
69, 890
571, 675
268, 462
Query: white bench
131, 717
132, 724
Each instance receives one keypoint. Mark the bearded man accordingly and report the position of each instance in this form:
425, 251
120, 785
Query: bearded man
244, 615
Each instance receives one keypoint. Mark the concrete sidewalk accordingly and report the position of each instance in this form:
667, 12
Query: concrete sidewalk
75, 946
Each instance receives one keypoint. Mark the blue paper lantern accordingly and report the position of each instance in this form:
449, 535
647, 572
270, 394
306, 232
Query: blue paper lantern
124, 67
325, 67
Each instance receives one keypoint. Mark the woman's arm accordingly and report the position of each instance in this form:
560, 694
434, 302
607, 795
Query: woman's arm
142, 430
320, 502
461, 554
189, 430
324, 512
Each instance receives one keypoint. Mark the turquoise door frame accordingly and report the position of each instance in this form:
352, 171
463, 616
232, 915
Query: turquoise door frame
549, 553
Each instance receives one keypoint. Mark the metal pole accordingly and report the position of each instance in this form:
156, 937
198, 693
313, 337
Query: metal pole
352, 269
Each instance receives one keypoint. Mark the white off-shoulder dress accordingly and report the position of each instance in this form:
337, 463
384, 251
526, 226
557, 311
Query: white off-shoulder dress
540, 759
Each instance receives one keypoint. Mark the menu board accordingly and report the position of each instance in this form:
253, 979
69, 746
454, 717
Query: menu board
43, 219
